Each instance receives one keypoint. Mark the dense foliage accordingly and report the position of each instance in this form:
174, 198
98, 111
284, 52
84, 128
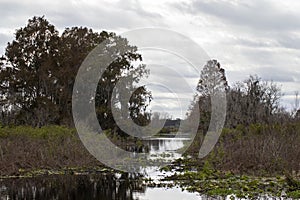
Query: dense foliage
38, 71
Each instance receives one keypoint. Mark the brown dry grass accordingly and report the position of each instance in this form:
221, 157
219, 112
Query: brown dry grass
257, 149
50, 147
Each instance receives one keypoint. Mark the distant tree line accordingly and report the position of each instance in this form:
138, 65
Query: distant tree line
38, 71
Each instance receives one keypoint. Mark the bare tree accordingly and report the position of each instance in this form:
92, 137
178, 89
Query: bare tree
253, 101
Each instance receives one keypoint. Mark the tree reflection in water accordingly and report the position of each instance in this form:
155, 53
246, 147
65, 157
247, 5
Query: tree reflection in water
94, 186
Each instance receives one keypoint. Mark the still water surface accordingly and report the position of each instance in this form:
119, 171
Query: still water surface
104, 186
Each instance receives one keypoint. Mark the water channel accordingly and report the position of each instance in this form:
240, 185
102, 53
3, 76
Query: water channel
104, 186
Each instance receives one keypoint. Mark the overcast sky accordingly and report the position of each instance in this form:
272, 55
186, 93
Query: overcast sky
247, 37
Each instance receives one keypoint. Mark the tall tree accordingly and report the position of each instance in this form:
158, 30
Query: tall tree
212, 80
27, 81
126, 65
75, 44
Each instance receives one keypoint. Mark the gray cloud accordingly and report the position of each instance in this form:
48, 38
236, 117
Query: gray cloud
254, 42
107, 17
257, 14
4, 38
100, 16
122, 14
290, 41
247, 37
277, 74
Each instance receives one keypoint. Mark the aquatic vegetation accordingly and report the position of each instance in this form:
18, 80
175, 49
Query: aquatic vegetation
214, 183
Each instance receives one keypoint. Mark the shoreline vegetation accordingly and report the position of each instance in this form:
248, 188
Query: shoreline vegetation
26, 150
56, 150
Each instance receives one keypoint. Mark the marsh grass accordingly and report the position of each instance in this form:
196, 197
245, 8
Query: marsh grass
23, 148
257, 149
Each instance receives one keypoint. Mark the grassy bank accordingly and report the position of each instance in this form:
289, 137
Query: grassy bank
24, 149
256, 150
50, 149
